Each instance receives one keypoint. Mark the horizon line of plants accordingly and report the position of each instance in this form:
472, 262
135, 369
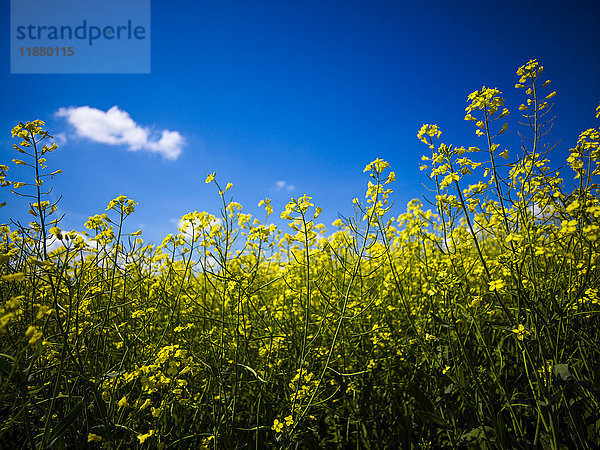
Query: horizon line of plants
473, 324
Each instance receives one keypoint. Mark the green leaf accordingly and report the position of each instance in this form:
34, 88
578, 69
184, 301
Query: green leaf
6, 367
477, 435
433, 417
5, 257
66, 423
562, 371
422, 401
501, 432
440, 321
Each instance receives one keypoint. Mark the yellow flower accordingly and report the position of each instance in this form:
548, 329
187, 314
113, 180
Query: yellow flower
433, 131
94, 438
569, 226
43, 311
289, 420
377, 166
496, 285
19, 276
277, 426
210, 177
122, 205
142, 437
520, 331
122, 402
267, 204
145, 404
206, 442
475, 302
485, 98
56, 232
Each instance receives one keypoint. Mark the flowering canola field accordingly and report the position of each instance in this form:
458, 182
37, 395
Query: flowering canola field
470, 324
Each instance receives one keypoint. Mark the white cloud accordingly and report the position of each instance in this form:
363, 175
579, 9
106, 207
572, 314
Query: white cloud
283, 186
60, 138
542, 212
116, 127
53, 243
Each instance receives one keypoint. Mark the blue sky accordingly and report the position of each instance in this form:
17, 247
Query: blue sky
284, 99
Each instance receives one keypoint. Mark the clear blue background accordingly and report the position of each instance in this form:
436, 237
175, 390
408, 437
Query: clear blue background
307, 94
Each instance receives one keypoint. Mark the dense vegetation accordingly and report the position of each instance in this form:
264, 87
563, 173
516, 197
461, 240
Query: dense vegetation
473, 324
